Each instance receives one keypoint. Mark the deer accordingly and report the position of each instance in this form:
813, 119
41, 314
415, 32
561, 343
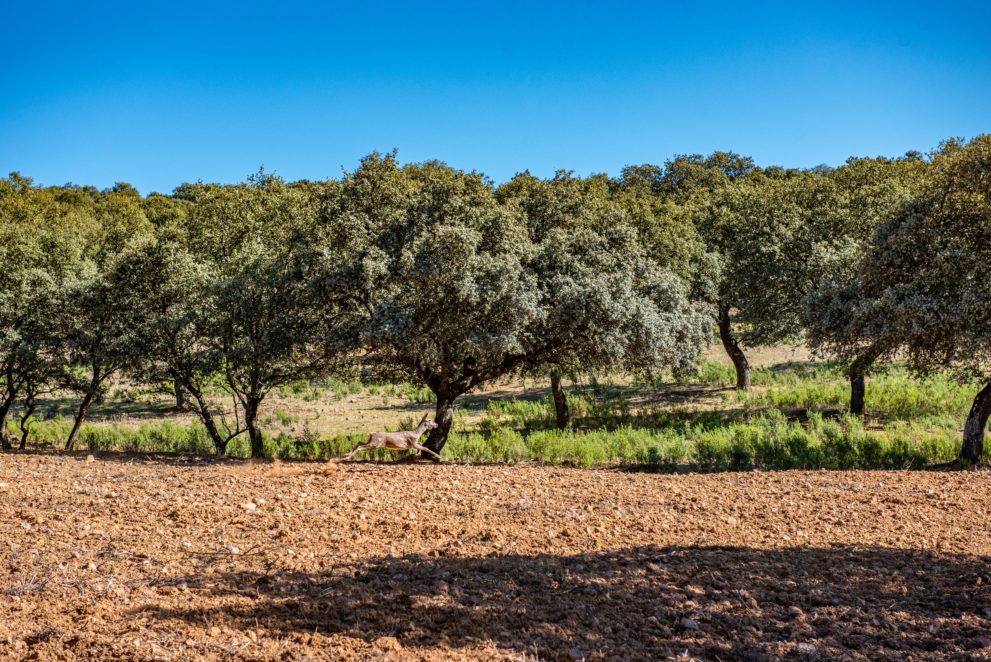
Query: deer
403, 440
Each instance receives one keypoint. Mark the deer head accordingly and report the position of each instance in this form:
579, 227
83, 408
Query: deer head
426, 424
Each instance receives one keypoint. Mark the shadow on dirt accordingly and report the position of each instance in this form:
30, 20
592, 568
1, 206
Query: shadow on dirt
109, 410
639, 603
129, 457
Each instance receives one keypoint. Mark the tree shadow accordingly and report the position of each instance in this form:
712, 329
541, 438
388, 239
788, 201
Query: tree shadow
805, 367
639, 394
725, 603
479, 402
108, 410
134, 457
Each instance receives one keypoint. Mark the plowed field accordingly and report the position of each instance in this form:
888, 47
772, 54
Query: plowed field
129, 557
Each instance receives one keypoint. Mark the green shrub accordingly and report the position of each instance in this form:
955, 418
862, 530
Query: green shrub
921, 421
418, 394
50, 432
160, 437
285, 418
892, 395
710, 373
714, 450
768, 441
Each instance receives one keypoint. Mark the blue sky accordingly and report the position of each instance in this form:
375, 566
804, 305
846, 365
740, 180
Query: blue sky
96, 93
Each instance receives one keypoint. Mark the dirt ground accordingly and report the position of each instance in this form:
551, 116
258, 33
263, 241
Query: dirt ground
118, 557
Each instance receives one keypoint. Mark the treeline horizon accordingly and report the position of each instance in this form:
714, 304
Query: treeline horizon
439, 276
265, 171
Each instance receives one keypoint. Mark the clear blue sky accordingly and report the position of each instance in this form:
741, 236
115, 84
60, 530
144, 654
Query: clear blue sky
95, 93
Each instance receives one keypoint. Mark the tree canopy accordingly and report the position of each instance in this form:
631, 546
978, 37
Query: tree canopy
430, 273
926, 280
465, 285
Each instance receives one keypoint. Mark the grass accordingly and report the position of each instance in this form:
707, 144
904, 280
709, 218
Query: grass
150, 437
912, 424
769, 441
285, 418
338, 389
892, 395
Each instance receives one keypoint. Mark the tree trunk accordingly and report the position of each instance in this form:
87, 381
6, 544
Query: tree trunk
444, 418
80, 415
857, 374
973, 430
219, 443
560, 401
206, 417
858, 391
29, 406
4, 412
251, 405
180, 395
732, 347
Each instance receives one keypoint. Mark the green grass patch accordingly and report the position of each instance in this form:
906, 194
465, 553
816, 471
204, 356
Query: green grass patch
769, 441
891, 395
151, 437
285, 418
919, 423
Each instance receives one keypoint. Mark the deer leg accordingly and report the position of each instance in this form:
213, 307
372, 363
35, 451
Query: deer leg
360, 447
421, 447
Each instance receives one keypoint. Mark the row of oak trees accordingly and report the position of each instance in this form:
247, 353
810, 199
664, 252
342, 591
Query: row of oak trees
429, 273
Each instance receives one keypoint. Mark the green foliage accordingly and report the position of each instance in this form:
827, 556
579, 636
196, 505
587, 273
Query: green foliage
501, 445
838, 316
308, 446
60, 289
539, 413
891, 395
770, 442
767, 442
521, 431
300, 388
772, 233
432, 243
928, 275
415, 393
285, 418
605, 300
435, 281
156, 437
924, 285
709, 373
467, 284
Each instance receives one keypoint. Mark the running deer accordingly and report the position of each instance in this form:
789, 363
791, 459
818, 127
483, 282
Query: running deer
398, 441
